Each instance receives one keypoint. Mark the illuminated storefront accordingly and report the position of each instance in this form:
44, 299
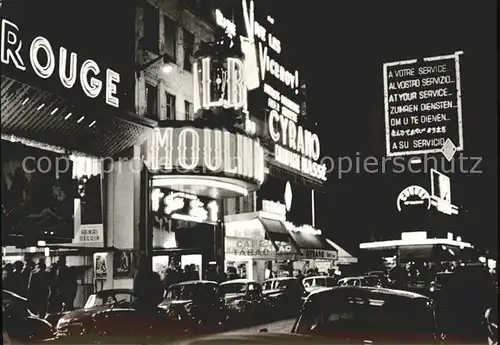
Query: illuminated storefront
193, 166
192, 170
66, 119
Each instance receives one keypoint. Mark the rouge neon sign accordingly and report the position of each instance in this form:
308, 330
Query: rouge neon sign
192, 150
44, 68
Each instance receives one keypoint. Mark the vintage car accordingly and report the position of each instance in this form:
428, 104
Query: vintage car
195, 302
19, 324
285, 294
111, 314
349, 315
440, 281
318, 283
243, 300
353, 281
368, 315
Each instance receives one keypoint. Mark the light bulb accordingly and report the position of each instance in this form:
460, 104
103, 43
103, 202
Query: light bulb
167, 68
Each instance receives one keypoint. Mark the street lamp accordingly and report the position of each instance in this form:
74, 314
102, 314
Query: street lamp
166, 68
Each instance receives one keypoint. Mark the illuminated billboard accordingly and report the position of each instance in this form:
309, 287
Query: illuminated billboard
274, 89
204, 161
423, 106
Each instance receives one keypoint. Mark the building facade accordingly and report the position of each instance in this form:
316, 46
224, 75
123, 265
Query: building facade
69, 136
267, 229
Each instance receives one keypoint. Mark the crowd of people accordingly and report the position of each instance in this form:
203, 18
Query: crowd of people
47, 289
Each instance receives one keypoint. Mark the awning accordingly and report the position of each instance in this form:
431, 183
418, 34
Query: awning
99, 131
254, 226
314, 246
286, 248
343, 256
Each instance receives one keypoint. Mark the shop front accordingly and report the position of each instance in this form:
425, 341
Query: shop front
316, 252
258, 245
192, 170
66, 119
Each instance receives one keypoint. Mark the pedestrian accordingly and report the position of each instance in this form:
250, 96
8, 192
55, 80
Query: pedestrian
299, 275
7, 283
148, 287
19, 284
169, 278
66, 283
39, 289
54, 305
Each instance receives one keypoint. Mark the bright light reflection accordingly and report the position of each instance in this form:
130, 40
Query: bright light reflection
167, 68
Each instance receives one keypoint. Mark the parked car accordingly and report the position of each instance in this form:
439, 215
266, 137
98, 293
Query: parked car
243, 300
353, 281
368, 315
349, 315
440, 281
111, 314
318, 282
373, 281
196, 302
285, 294
20, 325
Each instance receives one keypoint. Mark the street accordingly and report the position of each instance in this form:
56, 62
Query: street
281, 326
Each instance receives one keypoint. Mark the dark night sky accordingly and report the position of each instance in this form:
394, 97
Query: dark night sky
340, 46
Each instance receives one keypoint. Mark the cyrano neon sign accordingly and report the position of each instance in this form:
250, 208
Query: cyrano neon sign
10, 53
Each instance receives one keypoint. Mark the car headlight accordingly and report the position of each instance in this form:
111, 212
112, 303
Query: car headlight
62, 323
188, 308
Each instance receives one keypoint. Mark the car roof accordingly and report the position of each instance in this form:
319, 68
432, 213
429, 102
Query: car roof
195, 282
314, 277
115, 291
239, 281
280, 278
375, 290
14, 295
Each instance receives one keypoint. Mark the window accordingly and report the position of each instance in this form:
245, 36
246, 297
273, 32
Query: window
237, 206
170, 106
151, 20
248, 203
188, 43
152, 101
170, 37
189, 110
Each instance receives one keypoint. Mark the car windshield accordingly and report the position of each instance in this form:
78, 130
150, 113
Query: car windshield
371, 280
443, 278
111, 298
315, 282
352, 318
283, 284
232, 288
189, 291
268, 285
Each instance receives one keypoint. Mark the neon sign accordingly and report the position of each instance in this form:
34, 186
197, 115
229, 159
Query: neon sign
179, 205
67, 70
267, 63
441, 193
206, 151
232, 92
273, 207
291, 138
413, 195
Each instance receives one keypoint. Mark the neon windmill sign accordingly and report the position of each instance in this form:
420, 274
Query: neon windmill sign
413, 195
